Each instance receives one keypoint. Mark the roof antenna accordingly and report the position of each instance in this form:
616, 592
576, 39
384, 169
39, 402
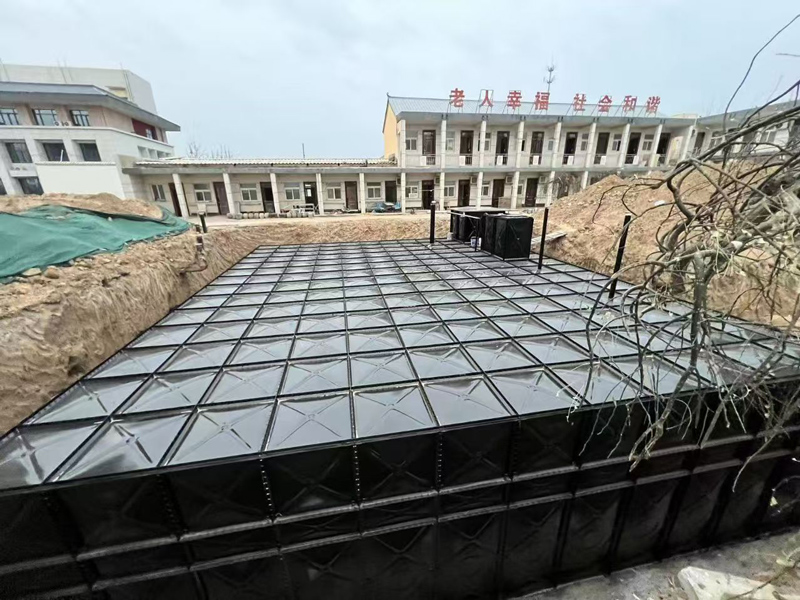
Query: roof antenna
304, 150
550, 78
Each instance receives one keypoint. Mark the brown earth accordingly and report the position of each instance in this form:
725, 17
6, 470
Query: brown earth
593, 218
57, 326
100, 202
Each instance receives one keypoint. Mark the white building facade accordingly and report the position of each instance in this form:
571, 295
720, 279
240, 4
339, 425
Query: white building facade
75, 138
471, 156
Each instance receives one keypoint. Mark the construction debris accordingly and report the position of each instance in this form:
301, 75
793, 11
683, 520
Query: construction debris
702, 584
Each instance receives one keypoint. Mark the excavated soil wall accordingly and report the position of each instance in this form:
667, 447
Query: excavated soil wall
57, 326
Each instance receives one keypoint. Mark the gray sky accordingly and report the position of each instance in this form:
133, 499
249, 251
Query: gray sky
260, 77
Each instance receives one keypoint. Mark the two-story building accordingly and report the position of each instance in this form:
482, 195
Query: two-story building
75, 138
470, 156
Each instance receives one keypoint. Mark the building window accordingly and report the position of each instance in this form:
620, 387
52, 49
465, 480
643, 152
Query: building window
89, 151
768, 135
522, 147
584, 142
202, 193
616, 143
30, 186
80, 118
374, 191
18, 152
149, 133
47, 117
550, 145
519, 190
9, 116
411, 141
647, 144
487, 141
450, 141
2, 188
485, 189
412, 190
249, 193
55, 151
292, 191
158, 193
449, 191
334, 193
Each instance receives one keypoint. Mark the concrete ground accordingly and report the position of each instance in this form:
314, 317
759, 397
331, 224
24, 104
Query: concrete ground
754, 559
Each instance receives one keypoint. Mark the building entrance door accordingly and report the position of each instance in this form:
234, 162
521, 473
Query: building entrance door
310, 194
391, 191
531, 188
427, 194
176, 205
633, 147
465, 149
267, 199
602, 144
498, 191
463, 192
351, 195
222, 198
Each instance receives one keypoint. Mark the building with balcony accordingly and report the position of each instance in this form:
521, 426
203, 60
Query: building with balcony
468, 156
472, 155
76, 137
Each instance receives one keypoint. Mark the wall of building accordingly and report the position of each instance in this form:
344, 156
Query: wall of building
390, 133
123, 83
114, 146
81, 178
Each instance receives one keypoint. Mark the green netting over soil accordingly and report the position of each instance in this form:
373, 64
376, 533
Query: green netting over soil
52, 235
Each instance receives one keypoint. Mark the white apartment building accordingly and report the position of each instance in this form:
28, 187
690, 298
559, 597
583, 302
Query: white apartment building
120, 82
469, 156
76, 137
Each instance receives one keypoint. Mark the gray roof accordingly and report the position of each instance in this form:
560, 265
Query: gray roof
442, 105
735, 118
278, 162
72, 93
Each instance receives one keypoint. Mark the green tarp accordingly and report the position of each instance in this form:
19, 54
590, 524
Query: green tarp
53, 235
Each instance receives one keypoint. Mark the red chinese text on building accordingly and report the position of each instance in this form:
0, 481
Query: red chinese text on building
457, 97
629, 103
579, 103
651, 106
514, 99
604, 104
542, 101
487, 100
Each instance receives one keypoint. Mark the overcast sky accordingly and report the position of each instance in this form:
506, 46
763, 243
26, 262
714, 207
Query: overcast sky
261, 77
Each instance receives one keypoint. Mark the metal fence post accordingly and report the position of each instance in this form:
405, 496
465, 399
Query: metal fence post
620, 252
433, 221
544, 233
203, 223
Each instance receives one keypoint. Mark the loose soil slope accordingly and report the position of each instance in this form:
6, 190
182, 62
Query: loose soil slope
58, 326
593, 218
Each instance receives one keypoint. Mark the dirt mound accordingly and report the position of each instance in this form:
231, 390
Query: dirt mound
57, 326
107, 203
593, 218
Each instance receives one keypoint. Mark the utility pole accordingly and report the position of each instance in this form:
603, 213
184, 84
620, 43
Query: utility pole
304, 150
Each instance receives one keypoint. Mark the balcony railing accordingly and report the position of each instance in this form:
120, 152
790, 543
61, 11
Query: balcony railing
600, 159
568, 159
535, 159
631, 159
501, 160
427, 160
465, 160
